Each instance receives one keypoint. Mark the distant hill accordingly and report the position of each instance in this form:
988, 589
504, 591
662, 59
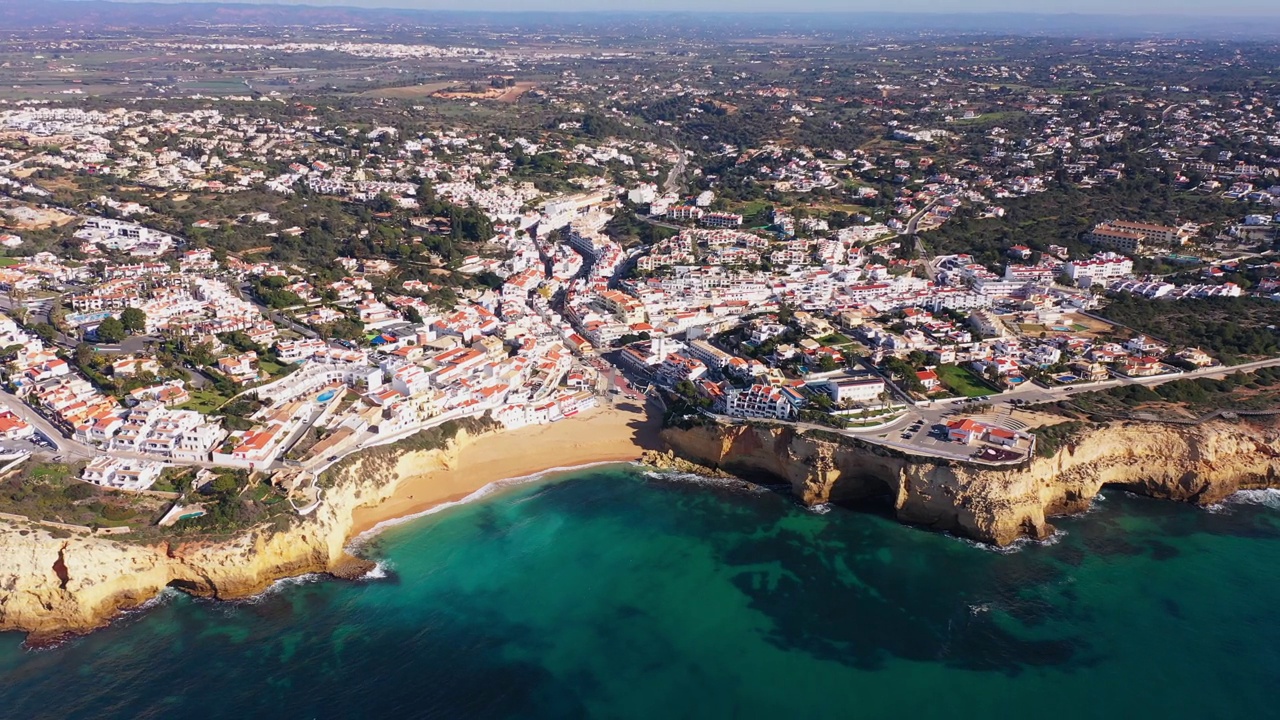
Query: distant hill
104, 15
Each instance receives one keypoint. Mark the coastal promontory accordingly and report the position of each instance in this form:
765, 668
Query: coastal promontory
1202, 464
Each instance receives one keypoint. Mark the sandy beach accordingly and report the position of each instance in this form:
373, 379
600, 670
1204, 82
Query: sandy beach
606, 434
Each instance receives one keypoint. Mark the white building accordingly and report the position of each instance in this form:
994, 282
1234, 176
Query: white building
759, 401
862, 389
1099, 268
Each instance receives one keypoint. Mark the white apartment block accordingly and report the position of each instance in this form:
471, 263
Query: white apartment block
1099, 268
759, 401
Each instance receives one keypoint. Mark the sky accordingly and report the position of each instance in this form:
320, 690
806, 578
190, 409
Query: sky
1127, 7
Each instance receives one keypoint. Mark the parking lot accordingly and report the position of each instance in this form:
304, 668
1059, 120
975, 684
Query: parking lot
36, 444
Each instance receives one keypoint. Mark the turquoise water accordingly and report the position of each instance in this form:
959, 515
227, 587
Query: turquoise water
614, 594
326, 396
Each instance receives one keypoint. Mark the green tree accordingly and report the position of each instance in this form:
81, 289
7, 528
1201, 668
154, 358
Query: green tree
111, 331
225, 485
133, 320
45, 332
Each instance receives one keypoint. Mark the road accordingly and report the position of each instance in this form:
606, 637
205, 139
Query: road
924, 443
653, 220
1163, 116
914, 222
1032, 394
675, 178
279, 319
64, 445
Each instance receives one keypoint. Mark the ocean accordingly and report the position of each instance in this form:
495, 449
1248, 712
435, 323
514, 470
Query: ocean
619, 593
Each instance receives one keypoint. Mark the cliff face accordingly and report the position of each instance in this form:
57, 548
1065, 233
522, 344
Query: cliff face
1201, 464
50, 586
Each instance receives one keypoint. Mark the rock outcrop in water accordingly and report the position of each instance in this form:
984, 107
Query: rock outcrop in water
1202, 464
50, 586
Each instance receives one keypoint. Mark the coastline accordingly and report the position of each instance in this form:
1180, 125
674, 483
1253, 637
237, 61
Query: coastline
54, 587
608, 434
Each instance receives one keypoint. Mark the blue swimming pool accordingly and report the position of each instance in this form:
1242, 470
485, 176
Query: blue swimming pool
1065, 379
326, 396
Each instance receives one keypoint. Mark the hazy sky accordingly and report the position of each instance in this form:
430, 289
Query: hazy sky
1182, 7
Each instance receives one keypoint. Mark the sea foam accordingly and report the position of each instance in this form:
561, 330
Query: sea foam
1268, 497
380, 571
480, 494
1016, 546
698, 479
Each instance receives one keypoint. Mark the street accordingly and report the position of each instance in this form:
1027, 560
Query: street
925, 442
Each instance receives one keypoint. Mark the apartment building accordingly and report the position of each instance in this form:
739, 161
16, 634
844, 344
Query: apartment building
1102, 267
856, 389
722, 220
759, 401
1157, 234
1123, 240
122, 474
676, 368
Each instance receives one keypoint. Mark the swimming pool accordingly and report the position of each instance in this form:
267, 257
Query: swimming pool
1066, 379
326, 396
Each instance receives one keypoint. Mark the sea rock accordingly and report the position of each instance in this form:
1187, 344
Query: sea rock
670, 461
1201, 464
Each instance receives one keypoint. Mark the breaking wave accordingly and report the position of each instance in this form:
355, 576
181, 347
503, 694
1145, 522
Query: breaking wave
480, 494
1268, 497
1016, 546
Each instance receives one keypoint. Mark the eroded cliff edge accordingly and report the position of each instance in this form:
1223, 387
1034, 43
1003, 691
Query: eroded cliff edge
1202, 464
50, 586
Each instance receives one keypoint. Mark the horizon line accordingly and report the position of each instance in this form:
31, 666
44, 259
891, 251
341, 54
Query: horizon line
341, 5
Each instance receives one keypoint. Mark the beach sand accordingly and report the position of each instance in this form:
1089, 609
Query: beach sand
610, 433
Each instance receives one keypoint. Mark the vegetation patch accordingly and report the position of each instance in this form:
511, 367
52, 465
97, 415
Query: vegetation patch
1051, 438
962, 381
1234, 329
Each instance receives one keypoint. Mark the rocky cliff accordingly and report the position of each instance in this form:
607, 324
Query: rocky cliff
50, 586
1201, 464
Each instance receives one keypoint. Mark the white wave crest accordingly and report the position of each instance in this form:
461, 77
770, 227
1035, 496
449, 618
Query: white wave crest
1268, 497
480, 494
278, 587
381, 570
698, 479
1017, 545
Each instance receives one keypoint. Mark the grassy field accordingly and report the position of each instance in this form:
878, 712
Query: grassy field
962, 382
748, 209
204, 400
8, 261
275, 370
834, 339
410, 92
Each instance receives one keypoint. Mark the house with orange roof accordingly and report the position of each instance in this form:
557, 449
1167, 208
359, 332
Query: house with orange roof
13, 427
241, 369
1001, 436
929, 379
965, 431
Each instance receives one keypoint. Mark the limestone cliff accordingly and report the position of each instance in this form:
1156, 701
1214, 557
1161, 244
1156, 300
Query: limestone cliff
50, 586
1201, 464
